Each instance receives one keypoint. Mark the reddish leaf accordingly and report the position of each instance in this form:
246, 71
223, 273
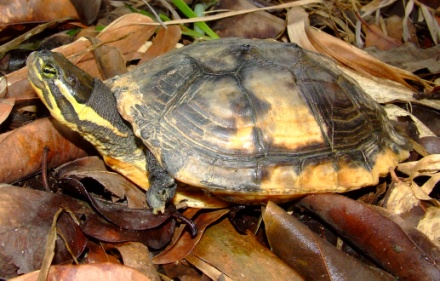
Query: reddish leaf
96, 272
97, 254
165, 41
308, 254
379, 237
24, 149
13, 12
6, 106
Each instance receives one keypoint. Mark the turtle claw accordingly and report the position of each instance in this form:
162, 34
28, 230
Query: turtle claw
158, 195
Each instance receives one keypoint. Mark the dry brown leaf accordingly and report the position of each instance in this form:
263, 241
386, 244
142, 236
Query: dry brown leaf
240, 257
297, 23
404, 195
165, 41
21, 11
109, 60
26, 217
136, 255
410, 57
6, 106
376, 235
310, 255
97, 272
376, 37
430, 225
126, 34
260, 24
24, 148
207, 269
342, 52
357, 59
400, 198
118, 185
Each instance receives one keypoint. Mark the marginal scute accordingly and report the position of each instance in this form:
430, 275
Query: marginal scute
252, 120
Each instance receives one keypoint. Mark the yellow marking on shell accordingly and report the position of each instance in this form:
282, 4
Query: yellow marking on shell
288, 122
323, 177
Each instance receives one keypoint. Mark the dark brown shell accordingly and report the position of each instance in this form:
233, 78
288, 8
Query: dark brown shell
255, 119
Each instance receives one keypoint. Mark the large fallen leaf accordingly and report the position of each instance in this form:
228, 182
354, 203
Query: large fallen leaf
96, 272
22, 149
310, 255
20, 11
25, 219
239, 257
376, 235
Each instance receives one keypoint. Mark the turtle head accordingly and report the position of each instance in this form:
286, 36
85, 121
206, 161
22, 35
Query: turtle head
64, 88
86, 105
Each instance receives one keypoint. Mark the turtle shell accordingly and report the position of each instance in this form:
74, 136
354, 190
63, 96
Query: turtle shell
255, 120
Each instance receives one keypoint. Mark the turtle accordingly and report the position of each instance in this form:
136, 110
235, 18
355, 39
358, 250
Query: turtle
247, 120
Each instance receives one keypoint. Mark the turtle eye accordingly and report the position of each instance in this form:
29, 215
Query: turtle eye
49, 71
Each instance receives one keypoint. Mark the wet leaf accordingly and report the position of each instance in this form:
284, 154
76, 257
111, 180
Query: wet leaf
24, 148
239, 257
377, 236
25, 219
308, 254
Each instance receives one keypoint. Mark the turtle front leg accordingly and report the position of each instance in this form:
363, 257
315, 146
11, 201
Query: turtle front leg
162, 185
